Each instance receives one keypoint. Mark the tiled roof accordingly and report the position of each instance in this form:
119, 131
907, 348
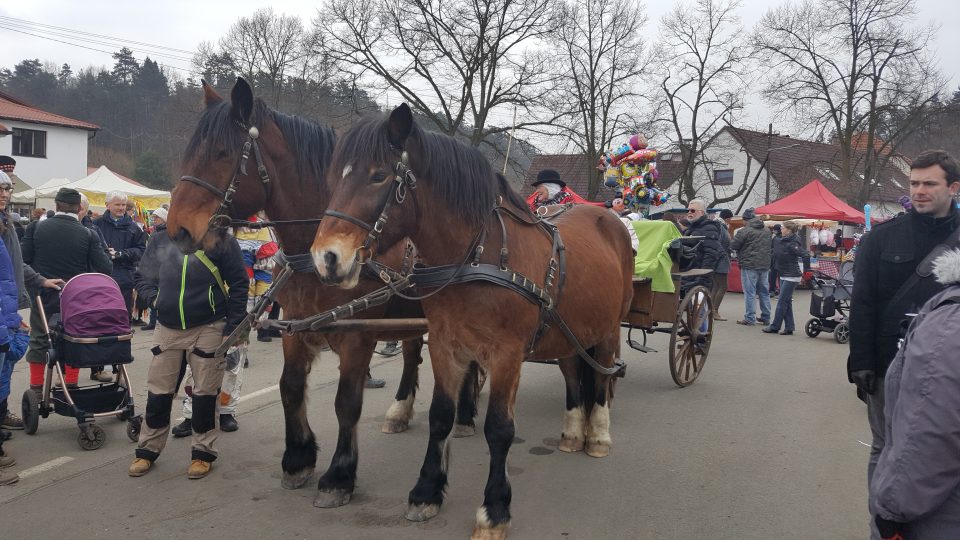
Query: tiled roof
12, 108
796, 162
573, 171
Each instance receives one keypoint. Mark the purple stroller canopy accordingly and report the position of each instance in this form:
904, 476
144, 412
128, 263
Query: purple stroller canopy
91, 305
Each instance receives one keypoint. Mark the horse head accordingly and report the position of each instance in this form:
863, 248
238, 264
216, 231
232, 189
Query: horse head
371, 179
229, 163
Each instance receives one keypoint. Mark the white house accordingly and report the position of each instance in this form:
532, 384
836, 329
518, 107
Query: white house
737, 157
45, 145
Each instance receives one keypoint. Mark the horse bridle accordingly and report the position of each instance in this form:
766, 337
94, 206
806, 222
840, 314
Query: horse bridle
403, 179
221, 217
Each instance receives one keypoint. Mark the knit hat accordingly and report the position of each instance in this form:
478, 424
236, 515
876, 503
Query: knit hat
7, 164
68, 196
160, 213
726, 213
749, 213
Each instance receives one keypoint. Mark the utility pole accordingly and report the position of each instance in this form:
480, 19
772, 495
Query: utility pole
766, 197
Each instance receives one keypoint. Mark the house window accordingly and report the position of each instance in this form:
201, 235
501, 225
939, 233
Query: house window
29, 142
723, 177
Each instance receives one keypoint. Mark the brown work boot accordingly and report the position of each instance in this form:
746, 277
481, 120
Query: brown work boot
11, 421
8, 478
6, 461
198, 469
139, 467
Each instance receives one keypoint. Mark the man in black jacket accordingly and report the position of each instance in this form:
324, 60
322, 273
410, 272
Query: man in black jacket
200, 299
59, 248
711, 250
125, 243
887, 258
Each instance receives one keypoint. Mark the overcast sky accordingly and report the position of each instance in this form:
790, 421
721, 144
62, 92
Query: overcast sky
180, 24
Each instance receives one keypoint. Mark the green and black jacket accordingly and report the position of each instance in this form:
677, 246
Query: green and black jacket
188, 293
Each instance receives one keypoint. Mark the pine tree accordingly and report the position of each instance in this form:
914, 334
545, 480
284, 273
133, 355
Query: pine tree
126, 66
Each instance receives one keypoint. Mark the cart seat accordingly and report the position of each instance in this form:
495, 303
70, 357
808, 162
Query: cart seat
652, 260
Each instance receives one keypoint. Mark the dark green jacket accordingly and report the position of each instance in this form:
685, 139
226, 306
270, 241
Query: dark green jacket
60, 247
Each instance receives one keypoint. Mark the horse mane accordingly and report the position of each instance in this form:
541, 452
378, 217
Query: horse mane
460, 175
310, 143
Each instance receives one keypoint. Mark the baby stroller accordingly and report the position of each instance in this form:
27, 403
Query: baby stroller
830, 304
91, 329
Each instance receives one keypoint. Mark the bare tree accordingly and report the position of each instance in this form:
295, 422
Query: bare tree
702, 86
851, 69
601, 71
454, 61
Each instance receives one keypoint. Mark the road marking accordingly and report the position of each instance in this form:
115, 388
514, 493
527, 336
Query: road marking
44, 467
258, 393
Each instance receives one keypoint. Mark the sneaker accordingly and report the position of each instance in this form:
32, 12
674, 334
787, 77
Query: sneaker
392, 349
139, 467
183, 429
198, 469
786, 333
228, 423
374, 383
12, 421
763, 321
7, 479
718, 317
768, 330
745, 322
7, 461
101, 376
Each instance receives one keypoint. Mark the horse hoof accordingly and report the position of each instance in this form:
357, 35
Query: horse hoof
421, 512
497, 533
295, 480
598, 449
464, 430
332, 499
395, 426
570, 445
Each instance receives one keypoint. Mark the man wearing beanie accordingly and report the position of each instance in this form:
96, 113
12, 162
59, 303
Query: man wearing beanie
59, 248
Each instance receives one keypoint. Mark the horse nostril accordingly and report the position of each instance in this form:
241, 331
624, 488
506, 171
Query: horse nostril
330, 258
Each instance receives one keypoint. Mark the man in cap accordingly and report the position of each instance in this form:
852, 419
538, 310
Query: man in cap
59, 248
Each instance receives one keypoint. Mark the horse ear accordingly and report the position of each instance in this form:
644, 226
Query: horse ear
241, 97
210, 96
400, 125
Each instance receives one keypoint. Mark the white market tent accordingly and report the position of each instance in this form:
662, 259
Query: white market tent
95, 186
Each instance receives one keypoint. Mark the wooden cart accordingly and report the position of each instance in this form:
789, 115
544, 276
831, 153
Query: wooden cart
688, 320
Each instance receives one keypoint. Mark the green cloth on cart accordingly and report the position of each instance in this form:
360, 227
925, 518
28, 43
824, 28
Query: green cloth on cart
652, 260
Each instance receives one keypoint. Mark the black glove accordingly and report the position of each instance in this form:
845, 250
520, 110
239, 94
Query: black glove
889, 530
865, 379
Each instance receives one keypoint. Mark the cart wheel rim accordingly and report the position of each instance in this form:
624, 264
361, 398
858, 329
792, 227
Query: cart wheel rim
97, 437
813, 327
842, 333
691, 337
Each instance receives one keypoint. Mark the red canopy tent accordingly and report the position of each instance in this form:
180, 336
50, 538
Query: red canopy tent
813, 201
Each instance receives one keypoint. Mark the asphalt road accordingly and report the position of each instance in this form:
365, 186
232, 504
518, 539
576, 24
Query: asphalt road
768, 443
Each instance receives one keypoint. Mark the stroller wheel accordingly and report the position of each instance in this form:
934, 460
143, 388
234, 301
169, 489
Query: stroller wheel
813, 327
93, 438
30, 410
133, 428
842, 333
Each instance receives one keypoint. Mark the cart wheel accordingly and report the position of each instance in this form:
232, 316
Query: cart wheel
133, 428
691, 336
813, 327
96, 440
30, 410
842, 333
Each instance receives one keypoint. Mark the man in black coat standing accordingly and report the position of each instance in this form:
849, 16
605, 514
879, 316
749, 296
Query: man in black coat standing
885, 288
126, 243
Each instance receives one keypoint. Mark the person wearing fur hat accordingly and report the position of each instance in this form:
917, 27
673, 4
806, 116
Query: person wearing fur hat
915, 493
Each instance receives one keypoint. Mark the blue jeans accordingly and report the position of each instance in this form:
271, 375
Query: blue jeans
755, 282
6, 370
784, 314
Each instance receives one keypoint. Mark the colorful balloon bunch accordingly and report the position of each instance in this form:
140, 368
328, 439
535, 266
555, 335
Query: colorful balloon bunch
632, 168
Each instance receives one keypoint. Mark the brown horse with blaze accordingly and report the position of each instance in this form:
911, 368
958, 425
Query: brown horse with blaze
459, 212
